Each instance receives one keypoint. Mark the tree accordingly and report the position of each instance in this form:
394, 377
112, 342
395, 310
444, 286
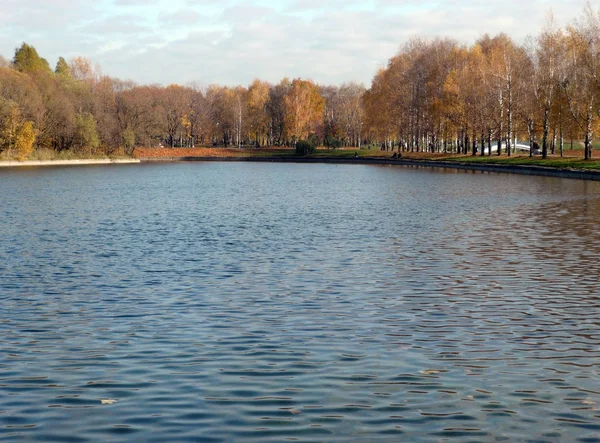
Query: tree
256, 105
174, 108
197, 119
81, 69
382, 111
104, 105
276, 112
220, 100
62, 68
304, 107
27, 60
21, 93
128, 139
10, 119
24, 140
304, 147
239, 111
547, 59
138, 109
56, 124
582, 83
86, 136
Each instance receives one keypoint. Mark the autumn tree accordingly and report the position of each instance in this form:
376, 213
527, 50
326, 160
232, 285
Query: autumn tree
138, 111
257, 98
582, 83
221, 102
21, 102
382, 113
350, 113
81, 68
547, 58
276, 112
332, 136
197, 118
175, 106
304, 107
56, 123
528, 112
10, 119
24, 140
502, 61
239, 101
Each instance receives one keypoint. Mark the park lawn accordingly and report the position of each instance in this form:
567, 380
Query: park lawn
525, 160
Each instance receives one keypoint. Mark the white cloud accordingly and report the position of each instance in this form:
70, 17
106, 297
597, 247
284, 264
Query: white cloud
235, 41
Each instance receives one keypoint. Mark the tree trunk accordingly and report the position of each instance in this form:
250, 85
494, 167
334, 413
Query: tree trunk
482, 143
562, 141
545, 132
531, 136
501, 125
509, 118
588, 135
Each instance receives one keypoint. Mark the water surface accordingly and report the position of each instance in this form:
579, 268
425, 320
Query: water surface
221, 302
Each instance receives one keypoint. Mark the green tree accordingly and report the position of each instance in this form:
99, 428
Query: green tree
27, 60
62, 69
86, 137
128, 137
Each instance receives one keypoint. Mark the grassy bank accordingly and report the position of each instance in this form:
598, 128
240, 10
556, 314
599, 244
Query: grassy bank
525, 160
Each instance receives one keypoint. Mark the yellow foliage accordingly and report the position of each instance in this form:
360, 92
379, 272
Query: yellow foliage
10, 119
187, 124
24, 140
304, 107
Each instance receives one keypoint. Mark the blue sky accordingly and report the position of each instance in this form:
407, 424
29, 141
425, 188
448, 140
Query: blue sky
234, 41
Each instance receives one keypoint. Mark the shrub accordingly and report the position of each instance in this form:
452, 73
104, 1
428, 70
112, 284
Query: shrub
304, 147
314, 140
332, 142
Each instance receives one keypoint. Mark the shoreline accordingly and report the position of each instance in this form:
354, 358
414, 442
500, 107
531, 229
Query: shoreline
544, 171
76, 162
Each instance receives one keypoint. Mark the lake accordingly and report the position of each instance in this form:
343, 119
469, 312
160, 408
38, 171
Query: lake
262, 302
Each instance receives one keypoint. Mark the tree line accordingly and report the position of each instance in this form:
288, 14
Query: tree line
433, 96
75, 107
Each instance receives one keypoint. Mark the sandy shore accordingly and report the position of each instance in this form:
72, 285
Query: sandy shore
104, 161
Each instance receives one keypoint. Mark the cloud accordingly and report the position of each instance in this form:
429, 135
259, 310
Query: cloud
235, 41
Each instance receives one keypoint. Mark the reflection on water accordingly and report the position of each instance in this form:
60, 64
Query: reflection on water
269, 302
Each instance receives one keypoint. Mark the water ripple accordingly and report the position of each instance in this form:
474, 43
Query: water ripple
269, 303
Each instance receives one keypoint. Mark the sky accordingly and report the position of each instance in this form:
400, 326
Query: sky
232, 42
